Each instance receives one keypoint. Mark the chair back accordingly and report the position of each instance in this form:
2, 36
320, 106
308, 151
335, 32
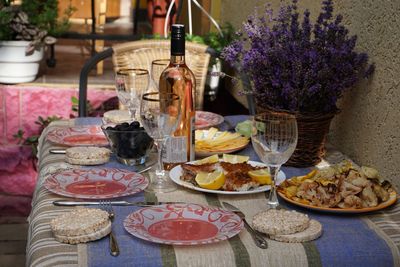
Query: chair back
140, 54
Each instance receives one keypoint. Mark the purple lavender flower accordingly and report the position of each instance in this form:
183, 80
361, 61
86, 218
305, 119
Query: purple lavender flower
298, 66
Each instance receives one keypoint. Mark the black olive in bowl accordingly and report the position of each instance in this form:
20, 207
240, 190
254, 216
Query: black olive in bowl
129, 142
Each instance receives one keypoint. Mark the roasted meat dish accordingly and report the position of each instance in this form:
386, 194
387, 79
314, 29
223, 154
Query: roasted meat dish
237, 178
339, 186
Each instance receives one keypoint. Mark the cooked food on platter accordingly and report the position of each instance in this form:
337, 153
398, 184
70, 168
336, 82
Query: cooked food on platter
214, 141
343, 186
232, 173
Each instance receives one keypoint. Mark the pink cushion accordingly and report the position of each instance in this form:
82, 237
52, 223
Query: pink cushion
20, 107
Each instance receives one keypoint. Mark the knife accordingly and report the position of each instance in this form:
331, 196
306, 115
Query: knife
258, 238
57, 151
114, 203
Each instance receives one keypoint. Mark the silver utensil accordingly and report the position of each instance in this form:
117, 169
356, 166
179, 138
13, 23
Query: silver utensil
114, 203
144, 170
106, 205
259, 240
57, 151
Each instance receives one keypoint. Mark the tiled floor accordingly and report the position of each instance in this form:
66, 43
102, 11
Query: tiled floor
71, 55
13, 231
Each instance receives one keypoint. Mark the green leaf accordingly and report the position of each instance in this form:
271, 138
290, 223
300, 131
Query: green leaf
244, 128
32, 139
74, 100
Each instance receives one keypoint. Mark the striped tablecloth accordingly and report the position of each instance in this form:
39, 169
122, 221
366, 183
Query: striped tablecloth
347, 240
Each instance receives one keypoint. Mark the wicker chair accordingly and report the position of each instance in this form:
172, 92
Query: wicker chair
140, 54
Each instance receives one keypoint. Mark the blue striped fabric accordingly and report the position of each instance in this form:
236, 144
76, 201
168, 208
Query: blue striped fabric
133, 251
346, 241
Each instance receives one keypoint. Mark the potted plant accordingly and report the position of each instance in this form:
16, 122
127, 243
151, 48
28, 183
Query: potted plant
24, 29
299, 67
217, 41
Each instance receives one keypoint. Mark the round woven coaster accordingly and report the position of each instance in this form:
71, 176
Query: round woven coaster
84, 238
312, 232
88, 155
280, 222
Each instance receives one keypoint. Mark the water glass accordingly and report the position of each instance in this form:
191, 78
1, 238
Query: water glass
160, 114
130, 85
157, 67
274, 138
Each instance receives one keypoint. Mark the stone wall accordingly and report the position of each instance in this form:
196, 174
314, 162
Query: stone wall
368, 127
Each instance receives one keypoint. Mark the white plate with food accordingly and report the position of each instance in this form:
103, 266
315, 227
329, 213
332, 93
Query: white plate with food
185, 176
183, 224
205, 119
212, 141
341, 188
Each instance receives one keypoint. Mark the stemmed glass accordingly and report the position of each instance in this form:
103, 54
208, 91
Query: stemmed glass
160, 114
274, 138
130, 85
157, 67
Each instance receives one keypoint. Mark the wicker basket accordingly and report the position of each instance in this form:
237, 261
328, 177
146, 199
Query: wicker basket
312, 131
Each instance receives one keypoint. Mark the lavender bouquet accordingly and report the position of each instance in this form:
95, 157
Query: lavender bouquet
298, 66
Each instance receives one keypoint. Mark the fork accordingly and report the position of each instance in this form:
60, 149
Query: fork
106, 205
259, 240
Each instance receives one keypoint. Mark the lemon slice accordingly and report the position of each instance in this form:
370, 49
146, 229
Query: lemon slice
210, 159
213, 181
261, 176
235, 158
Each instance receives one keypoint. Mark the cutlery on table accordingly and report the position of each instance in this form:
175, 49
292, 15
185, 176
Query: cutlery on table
106, 205
259, 240
57, 151
114, 203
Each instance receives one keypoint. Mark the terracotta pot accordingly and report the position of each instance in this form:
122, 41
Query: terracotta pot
313, 129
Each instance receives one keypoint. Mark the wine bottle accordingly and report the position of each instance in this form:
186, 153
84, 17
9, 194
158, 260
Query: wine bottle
179, 79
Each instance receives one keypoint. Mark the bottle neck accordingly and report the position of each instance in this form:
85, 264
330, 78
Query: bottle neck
177, 60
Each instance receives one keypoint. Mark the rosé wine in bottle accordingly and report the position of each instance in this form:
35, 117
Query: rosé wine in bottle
179, 79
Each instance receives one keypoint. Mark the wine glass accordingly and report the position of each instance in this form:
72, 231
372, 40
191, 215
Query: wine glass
130, 85
157, 67
274, 138
160, 114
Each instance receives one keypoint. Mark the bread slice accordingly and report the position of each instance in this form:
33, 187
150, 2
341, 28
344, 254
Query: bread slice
89, 155
312, 232
280, 222
80, 222
86, 237
116, 116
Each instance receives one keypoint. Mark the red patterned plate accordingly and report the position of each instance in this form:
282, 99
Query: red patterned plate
183, 224
78, 136
205, 119
96, 183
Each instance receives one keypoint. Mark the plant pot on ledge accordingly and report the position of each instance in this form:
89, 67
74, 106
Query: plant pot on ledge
300, 66
15, 65
25, 26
